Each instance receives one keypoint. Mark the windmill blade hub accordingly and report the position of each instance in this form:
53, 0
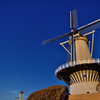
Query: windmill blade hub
73, 31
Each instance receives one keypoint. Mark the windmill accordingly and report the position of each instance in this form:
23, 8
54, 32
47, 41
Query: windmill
82, 72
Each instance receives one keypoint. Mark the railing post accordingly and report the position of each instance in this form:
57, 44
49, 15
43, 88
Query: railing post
93, 60
67, 64
60, 67
70, 63
79, 62
63, 66
98, 60
74, 62
84, 61
88, 60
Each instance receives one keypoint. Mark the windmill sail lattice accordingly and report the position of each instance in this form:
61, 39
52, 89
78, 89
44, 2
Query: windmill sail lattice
73, 19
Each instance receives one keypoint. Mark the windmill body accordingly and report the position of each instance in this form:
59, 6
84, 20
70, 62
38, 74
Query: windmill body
82, 75
82, 72
86, 80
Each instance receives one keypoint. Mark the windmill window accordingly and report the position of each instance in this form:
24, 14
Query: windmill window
88, 91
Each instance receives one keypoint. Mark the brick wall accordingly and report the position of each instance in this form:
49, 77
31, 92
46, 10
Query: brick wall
91, 96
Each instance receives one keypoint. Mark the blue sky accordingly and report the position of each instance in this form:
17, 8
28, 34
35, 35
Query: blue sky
25, 65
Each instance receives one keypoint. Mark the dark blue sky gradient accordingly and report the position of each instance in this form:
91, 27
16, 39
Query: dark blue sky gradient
25, 65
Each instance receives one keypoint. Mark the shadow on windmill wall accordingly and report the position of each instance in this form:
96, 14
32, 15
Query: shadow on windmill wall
65, 95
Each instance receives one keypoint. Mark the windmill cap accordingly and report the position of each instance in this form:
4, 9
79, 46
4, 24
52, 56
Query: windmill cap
21, 92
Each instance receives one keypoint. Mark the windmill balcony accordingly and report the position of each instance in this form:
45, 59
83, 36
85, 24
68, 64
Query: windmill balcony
79, 62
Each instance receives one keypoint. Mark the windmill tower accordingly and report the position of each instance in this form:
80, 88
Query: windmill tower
81, 73
21, 95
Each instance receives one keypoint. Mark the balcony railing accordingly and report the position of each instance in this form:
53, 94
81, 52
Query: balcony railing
79, 62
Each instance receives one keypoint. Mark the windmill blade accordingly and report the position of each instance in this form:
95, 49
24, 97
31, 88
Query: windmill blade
89, 27
50, 40
73, 19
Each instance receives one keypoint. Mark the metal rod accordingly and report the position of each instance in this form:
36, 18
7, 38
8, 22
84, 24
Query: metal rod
66, 49
92, 44
89, 45
89, 33
72, 56
64, 42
